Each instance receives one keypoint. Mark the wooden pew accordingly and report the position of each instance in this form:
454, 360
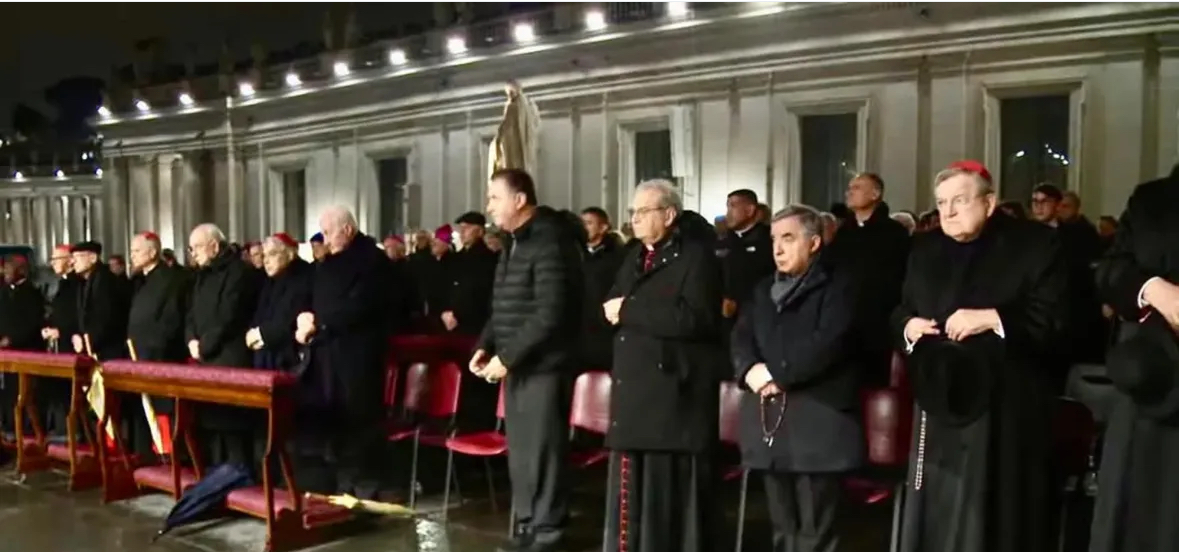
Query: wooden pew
33, 452
292, 520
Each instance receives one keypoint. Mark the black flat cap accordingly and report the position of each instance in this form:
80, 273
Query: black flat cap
954, 381
1146, 368
87, 247
472, 217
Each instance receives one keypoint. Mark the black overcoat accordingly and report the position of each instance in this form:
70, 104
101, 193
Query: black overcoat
348, 296
283, 297
601, 266
1138, 488
22, 311
986, 486
224, 295
669, 354
102, 312
155, 324
63, 310
805, 341
471, 274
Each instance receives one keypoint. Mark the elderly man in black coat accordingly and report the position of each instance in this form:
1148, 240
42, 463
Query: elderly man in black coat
799, 419
285, 294
531, 339
102, 305
345, 329
61, 323
22, 310
224, 293
668, 363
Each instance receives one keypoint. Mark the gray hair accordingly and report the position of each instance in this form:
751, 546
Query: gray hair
985, 187
668, 196
828, 216
339, 215
809, 217
211, 231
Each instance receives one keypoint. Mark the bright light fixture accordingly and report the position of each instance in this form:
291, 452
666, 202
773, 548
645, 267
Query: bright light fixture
59, 173
98, 171
142, 105
524, 33
397, 57
293, 79
245, 89
341, 69
677, 9
19, 175
104, 111
186, 99
456, 45
595, 20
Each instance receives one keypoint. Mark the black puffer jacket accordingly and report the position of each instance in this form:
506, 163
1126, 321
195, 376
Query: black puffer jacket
536, 298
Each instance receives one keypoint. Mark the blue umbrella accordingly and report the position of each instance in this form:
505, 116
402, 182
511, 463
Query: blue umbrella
207, 494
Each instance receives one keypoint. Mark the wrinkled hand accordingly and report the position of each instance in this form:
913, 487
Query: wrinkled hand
728, 308
478, 362
494, 371
1163, 296
194, 349
254, 339
770, 390
449, 321
79, 345
967, 322
303, 335
916, 328
611, 309
305, 321
50, 333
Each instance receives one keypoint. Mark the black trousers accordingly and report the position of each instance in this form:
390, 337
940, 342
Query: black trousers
536, 408
803, 509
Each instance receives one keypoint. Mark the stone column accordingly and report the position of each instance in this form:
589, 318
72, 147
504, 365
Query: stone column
19, 207
112, 209
78, 219
165, 207
4, 221
98, 227
41, 233
59, 227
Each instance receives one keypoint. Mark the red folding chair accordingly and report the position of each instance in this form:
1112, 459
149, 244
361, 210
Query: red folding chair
590, 412
730, 436
431, 394
483, 444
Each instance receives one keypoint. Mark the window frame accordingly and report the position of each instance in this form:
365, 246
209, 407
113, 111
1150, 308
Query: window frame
993, 96
860, 106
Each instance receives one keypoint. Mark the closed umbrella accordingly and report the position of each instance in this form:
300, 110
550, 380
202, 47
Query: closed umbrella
208, 493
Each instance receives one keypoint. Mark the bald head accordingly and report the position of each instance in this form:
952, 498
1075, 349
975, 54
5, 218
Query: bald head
339, 228
205, 242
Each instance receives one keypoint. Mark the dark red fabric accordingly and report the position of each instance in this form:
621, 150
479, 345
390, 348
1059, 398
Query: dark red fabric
648, 259
433, 390
887, 422
151, 236
623, 501
591, 402
286, 239
242, 377
730, 406
316, 512
972, 166
160, 477
49, 359
485, 443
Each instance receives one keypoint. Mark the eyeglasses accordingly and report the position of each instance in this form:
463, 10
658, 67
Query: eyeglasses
634, 213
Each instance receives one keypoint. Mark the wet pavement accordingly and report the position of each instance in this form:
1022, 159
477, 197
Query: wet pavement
40, 515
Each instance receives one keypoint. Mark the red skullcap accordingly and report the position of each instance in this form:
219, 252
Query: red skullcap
65, 248
395, 238
972, 166
444, 233
150, 236
286, 240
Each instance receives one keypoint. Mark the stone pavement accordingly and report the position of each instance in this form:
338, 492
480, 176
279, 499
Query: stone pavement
40, 515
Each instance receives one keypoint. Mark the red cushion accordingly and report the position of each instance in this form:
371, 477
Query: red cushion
730, 408
61, 451
50, 359
160, 477
888, 416
487, 443
591, 402
215, 375
316, 512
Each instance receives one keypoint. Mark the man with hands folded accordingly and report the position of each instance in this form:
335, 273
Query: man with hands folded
800, 423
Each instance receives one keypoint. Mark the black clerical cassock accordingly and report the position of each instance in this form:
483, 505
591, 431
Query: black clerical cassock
155, 324
22, 308
668, 363
981, 484
102, 307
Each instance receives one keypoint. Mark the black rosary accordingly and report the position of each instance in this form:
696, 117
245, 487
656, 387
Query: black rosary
767, 433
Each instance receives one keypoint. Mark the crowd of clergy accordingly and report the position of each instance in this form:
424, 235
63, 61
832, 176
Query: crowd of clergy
989, 303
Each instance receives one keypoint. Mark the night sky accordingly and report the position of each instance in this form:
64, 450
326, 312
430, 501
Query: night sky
44, 43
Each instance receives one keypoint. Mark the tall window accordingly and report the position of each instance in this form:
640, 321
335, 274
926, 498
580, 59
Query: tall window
652, 155
392, 174
1033, 142
294, 203
828, 144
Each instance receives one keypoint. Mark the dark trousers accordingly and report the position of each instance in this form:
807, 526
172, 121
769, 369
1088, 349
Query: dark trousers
803, 510
536, 407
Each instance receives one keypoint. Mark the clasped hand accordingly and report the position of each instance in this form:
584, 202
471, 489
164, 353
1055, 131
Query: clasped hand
492, 370
960, 325
759, 380
304, 327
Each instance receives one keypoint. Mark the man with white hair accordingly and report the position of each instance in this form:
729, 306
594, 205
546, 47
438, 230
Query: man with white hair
346, 330
223, 297
669, 359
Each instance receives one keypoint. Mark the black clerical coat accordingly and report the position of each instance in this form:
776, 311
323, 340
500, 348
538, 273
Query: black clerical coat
283, 297
102, 312
22, 311
668, 350
601, 267
155, 324
472, 273
1138, 488
985, 486
348, 296
222, 303
63, 310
